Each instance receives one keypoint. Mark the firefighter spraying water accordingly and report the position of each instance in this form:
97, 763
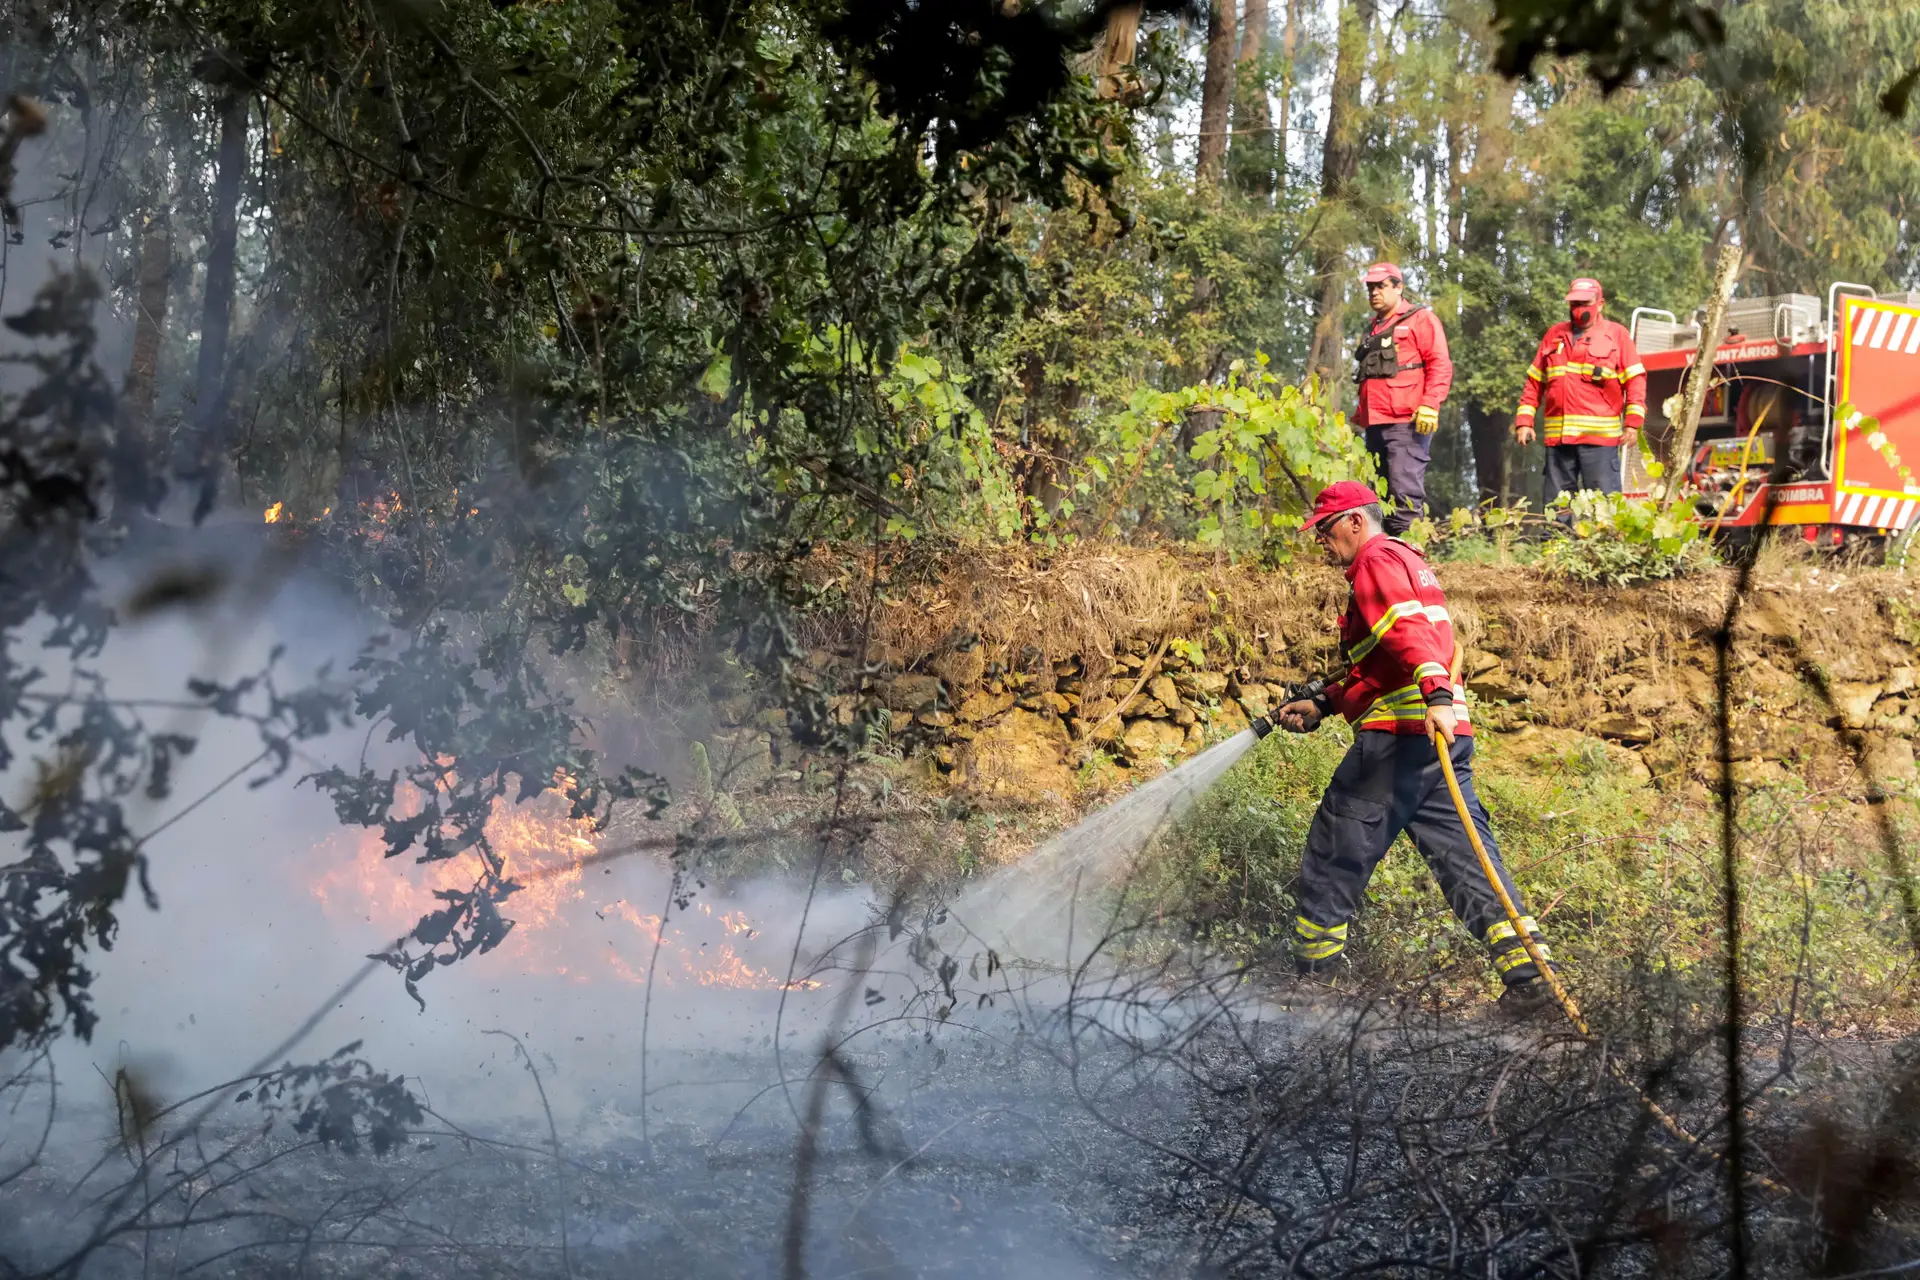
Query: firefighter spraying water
1404, 701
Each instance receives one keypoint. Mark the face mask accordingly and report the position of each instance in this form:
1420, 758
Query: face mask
1582, 316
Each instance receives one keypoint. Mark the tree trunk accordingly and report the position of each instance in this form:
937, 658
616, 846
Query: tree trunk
1216, 95
1339, 163
1456, 213
1115, 50
1694, 396
1289, 43
135, 481
1476, 234
1430, 205
216, 317
1252, 147
150, 316
1488, 431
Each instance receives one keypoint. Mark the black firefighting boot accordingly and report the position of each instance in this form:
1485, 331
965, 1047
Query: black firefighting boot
1528, 994
1326, 972
1528, 1001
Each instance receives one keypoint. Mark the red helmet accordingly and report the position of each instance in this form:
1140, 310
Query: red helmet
1382, 273
1338, 499
1585, 289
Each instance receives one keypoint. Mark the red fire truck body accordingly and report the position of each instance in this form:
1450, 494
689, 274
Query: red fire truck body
1838, 394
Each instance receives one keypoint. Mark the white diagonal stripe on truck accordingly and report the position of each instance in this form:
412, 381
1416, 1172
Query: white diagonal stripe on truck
1899, 330
1880, 330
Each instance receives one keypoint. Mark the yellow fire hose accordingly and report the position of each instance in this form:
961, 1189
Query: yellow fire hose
1560, 993
1540, 962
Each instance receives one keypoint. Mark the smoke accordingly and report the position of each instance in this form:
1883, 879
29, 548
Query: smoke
264, 910
941, 1069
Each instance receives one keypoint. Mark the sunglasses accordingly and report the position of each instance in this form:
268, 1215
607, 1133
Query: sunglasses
1323, 532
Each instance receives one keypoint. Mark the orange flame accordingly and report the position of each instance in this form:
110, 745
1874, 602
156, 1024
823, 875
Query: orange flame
554, 913
276, 513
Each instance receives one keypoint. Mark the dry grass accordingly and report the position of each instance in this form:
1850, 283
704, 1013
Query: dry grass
1023, 611
1020, 610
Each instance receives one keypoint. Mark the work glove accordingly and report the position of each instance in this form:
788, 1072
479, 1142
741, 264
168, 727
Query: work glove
1302, 716
1426, 420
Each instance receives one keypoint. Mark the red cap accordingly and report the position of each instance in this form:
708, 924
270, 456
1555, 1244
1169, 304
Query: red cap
1585, 289
1382, 271
1338, 499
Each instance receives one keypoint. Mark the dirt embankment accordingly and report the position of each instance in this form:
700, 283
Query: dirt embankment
1027, 681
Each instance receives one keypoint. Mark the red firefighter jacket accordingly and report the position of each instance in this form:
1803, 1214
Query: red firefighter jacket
1425, 369
1398, 640
1584, 384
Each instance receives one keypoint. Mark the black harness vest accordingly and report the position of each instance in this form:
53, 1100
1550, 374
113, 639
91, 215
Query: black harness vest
1375, 357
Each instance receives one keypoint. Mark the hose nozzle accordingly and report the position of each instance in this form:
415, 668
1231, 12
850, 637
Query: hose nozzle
1263, 725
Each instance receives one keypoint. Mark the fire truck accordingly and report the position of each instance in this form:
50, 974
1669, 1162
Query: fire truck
1833, 391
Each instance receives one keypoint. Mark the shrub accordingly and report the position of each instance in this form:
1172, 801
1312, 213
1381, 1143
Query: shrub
1619, 541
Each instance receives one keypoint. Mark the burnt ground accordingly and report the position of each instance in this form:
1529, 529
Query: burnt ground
1241, 1137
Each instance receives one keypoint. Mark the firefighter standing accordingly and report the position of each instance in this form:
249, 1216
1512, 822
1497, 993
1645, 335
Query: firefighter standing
1590, 391
1403, 372
1398, 690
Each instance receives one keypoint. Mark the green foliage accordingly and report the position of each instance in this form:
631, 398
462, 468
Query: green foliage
1263, 448
1619, 40
1584, 537
1620, 541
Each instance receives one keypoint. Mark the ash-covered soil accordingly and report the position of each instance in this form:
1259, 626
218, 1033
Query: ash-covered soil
1211, 1135
961, 1156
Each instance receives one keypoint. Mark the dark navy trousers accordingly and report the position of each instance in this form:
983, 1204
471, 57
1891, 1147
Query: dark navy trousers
1386, 784
1400, 454
1573, 467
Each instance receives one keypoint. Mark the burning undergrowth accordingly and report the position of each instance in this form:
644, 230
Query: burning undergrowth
561, 915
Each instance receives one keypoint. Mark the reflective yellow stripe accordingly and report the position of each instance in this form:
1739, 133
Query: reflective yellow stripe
1586, 371
1503, 929
1635, 370
1377, 714
1508, 961
1317, 942
1575, 425
1533, 372
1393, 614
1406, 706
1427, 669
1524, 411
